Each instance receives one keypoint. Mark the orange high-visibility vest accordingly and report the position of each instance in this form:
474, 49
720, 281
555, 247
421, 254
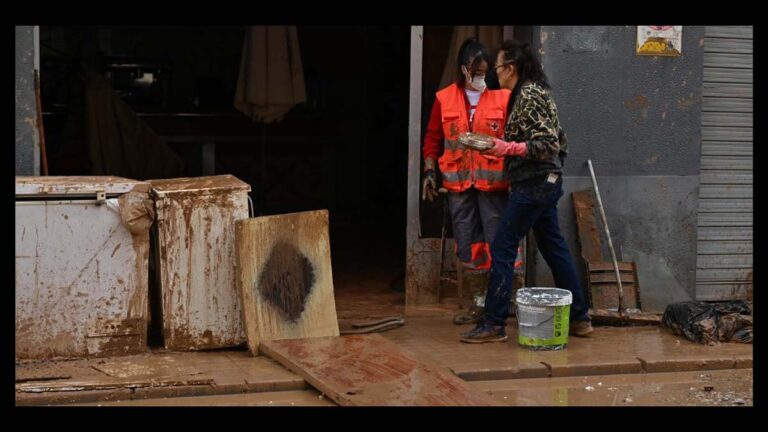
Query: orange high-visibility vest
462, 167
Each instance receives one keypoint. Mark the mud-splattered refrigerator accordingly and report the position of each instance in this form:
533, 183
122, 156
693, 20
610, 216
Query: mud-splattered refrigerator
81, 266
194, 239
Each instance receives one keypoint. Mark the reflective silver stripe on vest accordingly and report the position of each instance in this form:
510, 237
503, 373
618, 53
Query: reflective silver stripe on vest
491, 176
458, 176
462, 175
453, 145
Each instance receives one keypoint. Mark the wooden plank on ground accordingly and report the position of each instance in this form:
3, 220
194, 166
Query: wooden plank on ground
603, 316
284, 277
370, 370
74, 386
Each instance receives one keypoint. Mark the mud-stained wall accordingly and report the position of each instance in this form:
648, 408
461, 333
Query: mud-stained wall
638, 119
27, 145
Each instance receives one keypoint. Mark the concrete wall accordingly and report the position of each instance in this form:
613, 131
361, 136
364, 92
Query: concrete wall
27, 139
638, 119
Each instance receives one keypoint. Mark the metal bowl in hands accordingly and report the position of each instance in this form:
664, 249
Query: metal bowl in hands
476, 141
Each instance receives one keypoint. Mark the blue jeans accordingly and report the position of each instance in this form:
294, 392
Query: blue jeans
531, 206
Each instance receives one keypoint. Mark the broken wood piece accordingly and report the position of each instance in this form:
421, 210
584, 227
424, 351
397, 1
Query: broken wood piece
609, 317
91, 385
43, 378
370, 370
284, 277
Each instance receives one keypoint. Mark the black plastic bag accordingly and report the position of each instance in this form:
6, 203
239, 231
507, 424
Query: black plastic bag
710, 323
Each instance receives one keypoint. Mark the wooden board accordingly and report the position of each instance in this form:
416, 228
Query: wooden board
586, 224
370, 370
608, 267
603, 316
284, 277
603, 288
601, 278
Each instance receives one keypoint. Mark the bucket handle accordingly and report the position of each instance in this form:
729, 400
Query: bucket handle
537, 324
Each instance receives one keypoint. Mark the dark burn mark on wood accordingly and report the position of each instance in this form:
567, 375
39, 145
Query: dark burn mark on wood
287, 280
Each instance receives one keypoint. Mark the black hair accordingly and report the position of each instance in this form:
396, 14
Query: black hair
526, 63
471, 54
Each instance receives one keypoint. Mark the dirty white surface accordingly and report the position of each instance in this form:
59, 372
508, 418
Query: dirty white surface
75, 185
196, 260
81, 281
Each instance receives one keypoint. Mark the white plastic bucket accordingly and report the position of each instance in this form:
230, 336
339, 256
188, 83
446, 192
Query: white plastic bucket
543, 317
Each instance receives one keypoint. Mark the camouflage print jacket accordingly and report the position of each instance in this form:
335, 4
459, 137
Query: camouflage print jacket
533, 120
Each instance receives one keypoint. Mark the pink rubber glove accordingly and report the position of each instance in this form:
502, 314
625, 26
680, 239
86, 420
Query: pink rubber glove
503, 148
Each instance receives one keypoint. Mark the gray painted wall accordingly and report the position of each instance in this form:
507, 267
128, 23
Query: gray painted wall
638, 119
27, 140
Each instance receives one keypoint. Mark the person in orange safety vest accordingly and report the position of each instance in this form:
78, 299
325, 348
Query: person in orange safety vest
477, 184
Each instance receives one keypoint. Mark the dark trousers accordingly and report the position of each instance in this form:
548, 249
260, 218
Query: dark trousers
475, 215
532, 205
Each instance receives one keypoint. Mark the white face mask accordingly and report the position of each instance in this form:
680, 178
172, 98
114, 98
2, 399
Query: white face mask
477, 83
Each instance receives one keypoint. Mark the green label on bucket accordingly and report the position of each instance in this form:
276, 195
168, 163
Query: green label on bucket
559, 330
526, 341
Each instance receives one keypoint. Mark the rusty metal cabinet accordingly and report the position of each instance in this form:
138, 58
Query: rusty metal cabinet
195, 245
81, 261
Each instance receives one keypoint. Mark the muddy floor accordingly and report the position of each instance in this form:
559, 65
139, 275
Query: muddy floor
615, 367
710, 388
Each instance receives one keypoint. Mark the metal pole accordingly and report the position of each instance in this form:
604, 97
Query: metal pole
413, 281
608, 234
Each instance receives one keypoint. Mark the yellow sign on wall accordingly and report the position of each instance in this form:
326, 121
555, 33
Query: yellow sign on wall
660, 40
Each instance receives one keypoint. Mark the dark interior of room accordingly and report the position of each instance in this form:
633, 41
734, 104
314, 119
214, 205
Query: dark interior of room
345, 149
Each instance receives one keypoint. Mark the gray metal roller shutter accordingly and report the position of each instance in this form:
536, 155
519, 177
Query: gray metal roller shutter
724, 262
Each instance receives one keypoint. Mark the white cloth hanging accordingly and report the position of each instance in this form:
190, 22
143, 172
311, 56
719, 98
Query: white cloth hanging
271, 80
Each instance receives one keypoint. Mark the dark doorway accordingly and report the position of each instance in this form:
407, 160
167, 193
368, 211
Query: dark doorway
344, 150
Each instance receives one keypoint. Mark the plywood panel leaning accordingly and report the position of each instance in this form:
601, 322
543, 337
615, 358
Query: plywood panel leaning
285, 278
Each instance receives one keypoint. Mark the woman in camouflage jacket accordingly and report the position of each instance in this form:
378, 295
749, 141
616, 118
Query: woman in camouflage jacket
534, 149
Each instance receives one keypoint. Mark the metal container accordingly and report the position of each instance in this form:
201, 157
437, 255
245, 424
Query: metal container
195, 245
476, 141
82, 247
